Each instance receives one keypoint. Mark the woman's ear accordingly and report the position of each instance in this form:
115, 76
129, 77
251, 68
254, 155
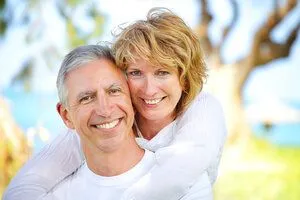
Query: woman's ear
65, 115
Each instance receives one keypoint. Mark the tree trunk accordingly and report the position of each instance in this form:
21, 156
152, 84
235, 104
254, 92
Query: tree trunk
222, 82
14, 149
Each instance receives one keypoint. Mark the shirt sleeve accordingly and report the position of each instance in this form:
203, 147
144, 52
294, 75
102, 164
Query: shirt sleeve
44, 170
196, 146
201, 190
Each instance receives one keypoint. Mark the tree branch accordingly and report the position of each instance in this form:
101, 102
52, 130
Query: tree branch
270, 51
206, 18
264, 49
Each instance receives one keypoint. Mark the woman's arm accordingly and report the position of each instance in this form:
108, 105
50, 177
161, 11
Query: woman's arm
198, 140
52, 164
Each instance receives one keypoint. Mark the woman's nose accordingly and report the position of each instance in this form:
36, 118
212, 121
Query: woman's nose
150, 87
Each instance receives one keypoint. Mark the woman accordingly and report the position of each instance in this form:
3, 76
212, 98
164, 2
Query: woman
162, 59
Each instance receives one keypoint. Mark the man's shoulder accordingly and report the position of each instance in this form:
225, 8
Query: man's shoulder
69, 185
145, 164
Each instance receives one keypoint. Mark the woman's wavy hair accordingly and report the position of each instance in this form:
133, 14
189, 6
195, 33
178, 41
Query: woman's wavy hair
164, 39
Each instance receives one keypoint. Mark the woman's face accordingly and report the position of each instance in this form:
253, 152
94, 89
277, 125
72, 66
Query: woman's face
155, 90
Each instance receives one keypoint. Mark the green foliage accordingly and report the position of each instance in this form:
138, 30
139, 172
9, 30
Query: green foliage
10, 162
2, 4
99, 20
264, 172
74, 3
79, 37
24, 76
14, 147
3, 23
74, 38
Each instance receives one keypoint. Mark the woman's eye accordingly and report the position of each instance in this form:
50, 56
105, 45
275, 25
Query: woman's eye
162, 73
86, 99
134, 73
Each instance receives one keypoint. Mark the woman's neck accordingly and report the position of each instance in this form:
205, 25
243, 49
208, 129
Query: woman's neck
150, 128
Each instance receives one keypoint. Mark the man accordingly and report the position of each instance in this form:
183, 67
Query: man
95, 101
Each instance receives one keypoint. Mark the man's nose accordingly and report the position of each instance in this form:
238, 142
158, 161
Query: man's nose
104, 106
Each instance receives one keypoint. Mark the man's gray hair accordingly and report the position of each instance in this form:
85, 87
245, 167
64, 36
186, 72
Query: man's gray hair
76, 59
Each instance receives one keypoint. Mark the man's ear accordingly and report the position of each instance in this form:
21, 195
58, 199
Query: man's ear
65, 116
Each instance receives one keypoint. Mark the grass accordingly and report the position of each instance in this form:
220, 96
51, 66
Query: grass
258, 170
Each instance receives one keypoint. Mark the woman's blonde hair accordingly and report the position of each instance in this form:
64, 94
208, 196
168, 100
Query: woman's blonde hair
163, 39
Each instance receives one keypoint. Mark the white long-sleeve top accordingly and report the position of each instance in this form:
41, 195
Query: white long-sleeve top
188, 147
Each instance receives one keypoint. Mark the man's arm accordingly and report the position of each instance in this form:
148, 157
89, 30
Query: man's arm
51, 165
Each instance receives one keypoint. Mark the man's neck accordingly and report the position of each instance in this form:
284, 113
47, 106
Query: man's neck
115, 162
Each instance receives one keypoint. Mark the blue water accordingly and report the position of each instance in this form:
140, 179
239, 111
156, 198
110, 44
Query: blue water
280, 134
285, 134
33, 109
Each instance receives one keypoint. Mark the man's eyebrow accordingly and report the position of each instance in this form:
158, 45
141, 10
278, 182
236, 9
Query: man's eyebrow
117, 84
83, 94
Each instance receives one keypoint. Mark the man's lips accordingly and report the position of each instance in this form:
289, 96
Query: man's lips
108, 125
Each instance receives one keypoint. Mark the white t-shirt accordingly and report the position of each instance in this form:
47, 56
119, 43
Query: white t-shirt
185, 150
84, 184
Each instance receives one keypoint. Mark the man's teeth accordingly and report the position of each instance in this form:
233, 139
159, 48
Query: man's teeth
153, 101
108, 125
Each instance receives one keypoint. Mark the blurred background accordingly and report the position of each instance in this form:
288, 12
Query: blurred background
252, 49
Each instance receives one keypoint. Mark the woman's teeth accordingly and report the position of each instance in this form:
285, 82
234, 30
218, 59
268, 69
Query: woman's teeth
152, 101
108, 125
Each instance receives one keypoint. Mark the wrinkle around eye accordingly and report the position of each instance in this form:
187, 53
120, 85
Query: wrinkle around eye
86, 99
115, 91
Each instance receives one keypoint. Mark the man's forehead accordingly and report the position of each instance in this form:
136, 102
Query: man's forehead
103, 66
116, 78
105, 74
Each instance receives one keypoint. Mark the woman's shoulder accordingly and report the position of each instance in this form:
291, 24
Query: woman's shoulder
204, 101
206, 96
203, 106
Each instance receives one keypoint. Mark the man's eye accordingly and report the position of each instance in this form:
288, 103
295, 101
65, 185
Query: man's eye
114, 91
162, 73
134, 73
86, 99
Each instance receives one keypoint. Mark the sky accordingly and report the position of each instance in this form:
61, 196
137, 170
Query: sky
277, 80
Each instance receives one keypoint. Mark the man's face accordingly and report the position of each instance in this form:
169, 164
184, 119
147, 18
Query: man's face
99, 105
